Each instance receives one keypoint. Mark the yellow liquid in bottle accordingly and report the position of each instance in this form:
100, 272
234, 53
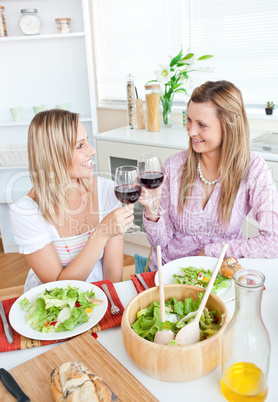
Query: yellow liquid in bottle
244, 382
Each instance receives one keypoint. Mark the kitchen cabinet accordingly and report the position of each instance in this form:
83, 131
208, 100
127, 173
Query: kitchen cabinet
47, 69
123, 146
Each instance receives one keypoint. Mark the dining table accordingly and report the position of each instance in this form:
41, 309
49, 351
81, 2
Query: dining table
207, 388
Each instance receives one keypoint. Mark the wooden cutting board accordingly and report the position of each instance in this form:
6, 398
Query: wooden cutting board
33, 375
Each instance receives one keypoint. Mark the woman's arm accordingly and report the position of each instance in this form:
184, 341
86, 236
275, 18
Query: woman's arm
113, 259
46, 263
263, 199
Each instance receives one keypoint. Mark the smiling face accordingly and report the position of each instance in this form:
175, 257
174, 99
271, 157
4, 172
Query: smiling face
204, 128
82, 164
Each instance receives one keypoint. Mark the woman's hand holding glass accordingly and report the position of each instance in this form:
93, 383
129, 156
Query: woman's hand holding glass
151, 178
127, 188
118, 221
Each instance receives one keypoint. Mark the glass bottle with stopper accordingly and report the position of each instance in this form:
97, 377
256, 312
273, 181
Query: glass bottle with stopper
246, 343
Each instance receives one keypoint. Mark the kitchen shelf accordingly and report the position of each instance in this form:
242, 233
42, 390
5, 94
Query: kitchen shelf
47, 69
42, 37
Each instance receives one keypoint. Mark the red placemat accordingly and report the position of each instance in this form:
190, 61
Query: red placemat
148, 278
21, 342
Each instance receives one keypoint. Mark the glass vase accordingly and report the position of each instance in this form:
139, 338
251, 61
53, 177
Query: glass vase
166, 110
246, 343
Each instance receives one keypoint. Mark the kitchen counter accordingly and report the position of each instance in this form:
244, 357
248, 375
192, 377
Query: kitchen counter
175, 138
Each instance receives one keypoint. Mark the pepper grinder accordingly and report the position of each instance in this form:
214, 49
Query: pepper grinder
131, 105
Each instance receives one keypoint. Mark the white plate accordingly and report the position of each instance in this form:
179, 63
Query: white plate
173, 267
18, 316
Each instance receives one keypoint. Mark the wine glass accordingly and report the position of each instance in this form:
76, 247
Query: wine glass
127, 188
151, 177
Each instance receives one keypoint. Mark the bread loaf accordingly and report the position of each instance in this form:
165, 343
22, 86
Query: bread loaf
74, 382
229, 266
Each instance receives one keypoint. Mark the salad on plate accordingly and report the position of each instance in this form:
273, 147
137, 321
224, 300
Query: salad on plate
59, 309
200, 277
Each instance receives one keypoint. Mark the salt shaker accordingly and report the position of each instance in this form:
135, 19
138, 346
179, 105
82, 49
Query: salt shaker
131, 104
246, 342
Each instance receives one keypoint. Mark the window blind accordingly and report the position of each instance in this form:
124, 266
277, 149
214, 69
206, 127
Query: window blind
136, 36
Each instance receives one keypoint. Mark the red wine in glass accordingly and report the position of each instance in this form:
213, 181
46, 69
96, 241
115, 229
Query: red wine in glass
127, 188
151, 180
151, 177
127, 193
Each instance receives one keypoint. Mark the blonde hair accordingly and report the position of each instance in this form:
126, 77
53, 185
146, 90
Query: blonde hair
52, 137
235, 154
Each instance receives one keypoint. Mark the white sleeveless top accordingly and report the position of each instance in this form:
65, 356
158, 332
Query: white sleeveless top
32, 232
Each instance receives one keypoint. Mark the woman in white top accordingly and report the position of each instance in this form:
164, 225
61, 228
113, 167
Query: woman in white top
70, 225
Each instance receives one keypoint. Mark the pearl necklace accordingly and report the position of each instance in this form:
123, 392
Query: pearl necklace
202, 176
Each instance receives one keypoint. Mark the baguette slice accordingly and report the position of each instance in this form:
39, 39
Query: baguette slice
74, 382
229, 266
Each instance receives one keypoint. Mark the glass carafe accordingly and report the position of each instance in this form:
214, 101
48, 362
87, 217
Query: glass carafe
246, 343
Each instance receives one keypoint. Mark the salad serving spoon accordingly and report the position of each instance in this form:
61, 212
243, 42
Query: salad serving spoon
165, 336
190, 333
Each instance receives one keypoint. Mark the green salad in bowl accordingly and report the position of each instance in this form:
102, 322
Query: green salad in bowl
177, 314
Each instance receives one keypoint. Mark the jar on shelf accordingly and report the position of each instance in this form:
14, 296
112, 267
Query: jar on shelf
63, 25
3, 27
30, 22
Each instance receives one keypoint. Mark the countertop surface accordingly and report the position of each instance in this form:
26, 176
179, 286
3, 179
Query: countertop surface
175, 138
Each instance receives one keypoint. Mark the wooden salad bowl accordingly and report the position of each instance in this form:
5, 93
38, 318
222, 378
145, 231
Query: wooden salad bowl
173, 363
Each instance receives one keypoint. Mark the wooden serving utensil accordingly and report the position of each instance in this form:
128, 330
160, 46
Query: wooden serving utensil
190, 333
165, 336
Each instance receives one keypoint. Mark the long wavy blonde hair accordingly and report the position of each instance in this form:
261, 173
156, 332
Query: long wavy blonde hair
235, 154
52, 138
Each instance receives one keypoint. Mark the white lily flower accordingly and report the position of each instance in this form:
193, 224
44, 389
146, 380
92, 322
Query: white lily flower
164, 75
169, 87
192, 60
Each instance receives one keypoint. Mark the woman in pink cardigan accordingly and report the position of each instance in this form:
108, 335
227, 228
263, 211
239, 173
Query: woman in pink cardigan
210, 188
